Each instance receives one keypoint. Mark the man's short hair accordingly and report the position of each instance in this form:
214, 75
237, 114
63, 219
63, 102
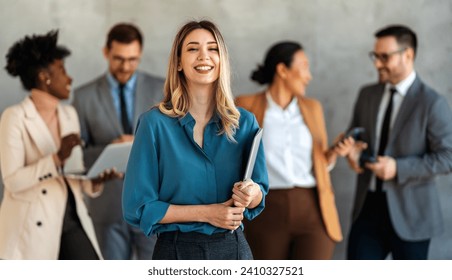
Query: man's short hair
124, 33
403, 34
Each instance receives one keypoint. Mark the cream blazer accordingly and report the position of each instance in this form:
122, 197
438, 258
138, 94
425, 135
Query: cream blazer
35, 195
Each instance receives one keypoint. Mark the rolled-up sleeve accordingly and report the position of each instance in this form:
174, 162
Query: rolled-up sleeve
140, 199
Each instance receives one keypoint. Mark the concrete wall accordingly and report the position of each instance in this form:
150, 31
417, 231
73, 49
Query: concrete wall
337, 35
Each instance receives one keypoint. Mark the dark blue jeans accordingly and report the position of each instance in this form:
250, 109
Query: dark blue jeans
373, 237
176, 245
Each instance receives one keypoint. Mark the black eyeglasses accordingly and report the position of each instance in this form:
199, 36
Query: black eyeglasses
384, 57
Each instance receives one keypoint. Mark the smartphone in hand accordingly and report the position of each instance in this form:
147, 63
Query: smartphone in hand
355, 132
365, 158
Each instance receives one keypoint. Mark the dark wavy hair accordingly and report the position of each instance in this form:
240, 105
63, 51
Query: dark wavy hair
31, 54
280, 52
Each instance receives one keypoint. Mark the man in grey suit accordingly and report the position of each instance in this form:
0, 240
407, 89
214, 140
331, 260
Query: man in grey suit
409, 141
108, 109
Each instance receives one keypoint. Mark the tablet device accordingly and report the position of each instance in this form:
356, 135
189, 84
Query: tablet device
113, 155
74, 163
253, 154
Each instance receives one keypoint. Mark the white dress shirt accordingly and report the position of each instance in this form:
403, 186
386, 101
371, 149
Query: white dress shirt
288, 146
402, 88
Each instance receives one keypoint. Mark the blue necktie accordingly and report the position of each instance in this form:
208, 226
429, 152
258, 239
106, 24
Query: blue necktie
124, 117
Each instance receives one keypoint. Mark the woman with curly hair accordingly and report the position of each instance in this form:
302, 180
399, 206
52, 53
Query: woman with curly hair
42, 215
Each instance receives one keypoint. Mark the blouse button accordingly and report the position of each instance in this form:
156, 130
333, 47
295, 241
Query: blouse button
39, 224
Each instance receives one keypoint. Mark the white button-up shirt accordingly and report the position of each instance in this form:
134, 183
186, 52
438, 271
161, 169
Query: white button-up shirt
288, 146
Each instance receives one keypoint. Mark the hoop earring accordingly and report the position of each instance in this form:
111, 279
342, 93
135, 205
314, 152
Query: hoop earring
48, 82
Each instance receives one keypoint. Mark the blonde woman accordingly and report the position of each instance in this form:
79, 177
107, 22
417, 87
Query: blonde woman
183, 179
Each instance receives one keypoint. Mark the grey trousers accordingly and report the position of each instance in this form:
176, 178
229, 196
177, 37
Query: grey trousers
120, 241
176, 245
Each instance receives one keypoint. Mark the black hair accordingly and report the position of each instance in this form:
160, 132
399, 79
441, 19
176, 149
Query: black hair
124, 33
31, 54
280, 52
404, 35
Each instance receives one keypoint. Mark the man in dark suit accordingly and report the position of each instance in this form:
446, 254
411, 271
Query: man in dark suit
108, 108
409, 136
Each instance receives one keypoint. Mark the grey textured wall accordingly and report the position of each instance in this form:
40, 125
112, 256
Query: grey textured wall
337, 35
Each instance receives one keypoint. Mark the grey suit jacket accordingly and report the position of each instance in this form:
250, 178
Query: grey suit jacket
421, 143
100, 125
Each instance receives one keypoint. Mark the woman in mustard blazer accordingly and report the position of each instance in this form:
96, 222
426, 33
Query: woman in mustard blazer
300, 220
42, 215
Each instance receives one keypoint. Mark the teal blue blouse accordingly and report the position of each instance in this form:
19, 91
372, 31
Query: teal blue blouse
166, 166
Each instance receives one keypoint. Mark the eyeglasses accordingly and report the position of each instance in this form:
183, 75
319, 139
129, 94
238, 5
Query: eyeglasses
133, 61
384, 57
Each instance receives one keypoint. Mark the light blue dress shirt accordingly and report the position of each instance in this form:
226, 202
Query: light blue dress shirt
129, 92
166, 166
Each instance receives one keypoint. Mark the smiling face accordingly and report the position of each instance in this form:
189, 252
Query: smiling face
297, 77
200, 59
398, 63
59, 81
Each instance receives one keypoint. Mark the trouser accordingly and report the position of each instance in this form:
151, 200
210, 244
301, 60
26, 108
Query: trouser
290, 227
121, 241
372, 236
74, 243
176, 245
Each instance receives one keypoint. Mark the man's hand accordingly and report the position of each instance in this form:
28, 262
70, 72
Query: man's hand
107, 175
123, 138
385, 168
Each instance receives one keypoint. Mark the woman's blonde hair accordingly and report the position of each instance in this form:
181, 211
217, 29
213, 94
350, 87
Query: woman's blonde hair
176, 101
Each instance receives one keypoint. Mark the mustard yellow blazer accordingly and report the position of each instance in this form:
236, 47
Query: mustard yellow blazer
313, 116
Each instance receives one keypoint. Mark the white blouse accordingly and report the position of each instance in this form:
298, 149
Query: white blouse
288, 147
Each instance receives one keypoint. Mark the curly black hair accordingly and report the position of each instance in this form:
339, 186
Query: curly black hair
31, 54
